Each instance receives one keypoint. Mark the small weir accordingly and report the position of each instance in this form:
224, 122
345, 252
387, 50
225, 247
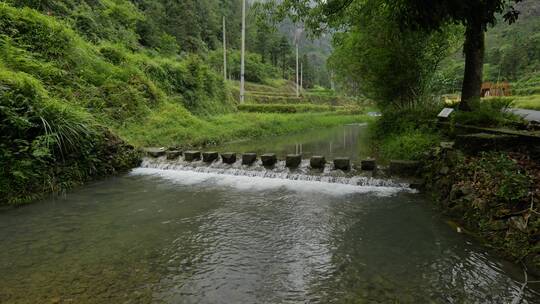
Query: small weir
292, 168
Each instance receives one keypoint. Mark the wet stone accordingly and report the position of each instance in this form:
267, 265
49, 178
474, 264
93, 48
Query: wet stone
368, 165
174, 154
228, 158
192, 155
209, 157
404, 167
154, 152
317, 162
249, 158
269, 159
293, 160
342, 163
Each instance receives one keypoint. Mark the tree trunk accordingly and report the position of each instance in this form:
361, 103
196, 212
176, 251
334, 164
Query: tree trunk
474, 65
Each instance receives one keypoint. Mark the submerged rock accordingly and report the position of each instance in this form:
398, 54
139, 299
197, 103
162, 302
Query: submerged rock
228, 158
293, 160
317, 162
342, 163
192, 155
209, 157
249, 158
269, 159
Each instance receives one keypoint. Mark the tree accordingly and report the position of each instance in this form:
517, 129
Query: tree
475, 15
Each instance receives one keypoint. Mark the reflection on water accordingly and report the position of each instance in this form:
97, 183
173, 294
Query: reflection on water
343, 141
157, 237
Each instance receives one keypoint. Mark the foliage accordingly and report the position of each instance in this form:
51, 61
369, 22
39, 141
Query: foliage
391, 66
49, 146
408, 145
491, 112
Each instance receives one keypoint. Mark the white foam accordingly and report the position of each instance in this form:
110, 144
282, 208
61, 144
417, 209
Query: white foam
255, 183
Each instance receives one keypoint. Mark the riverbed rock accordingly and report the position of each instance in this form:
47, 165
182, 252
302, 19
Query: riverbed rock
209, 157
154, 152
249, 158
293, 160
174, 154
317, 162
404, 167
269, 159
228, 158
368, 164
192, 155
342, 163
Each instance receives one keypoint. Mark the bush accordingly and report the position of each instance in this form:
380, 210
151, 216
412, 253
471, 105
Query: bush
409, 145
48, 146
490, 112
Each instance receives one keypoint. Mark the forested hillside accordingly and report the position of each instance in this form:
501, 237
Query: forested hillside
150, 71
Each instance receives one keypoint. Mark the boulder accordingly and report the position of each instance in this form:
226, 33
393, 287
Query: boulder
342, 163
154, 152
174, 154
293, 160
192, 155
269, 159
228, 158
368, 165
209, 157
404, 167
317, 162
249, 158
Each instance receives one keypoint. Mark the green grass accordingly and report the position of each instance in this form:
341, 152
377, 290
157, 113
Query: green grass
531, 102
172, 125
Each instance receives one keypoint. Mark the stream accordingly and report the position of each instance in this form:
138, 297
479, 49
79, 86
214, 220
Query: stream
174, 234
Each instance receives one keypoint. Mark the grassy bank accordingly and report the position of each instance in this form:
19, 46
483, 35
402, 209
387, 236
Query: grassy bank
174, 126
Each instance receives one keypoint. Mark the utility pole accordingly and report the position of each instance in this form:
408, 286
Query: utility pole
301, 76
297, 78
224, 51
242, 64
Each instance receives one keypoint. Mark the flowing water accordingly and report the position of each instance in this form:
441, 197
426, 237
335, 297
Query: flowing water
170, 232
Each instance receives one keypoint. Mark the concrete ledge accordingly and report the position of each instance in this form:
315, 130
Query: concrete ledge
209, 157
269, 159
154, 152
368, 165
342, 163
478, 142
404, 167
317, 162
293, 160
174, 154
192, 155
249, 158
228, 158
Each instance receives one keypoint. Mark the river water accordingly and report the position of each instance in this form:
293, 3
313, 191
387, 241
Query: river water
187, 236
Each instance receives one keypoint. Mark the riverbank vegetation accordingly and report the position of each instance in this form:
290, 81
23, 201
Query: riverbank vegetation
83, 81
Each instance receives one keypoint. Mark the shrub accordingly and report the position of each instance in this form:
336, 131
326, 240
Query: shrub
490, 112
408, 145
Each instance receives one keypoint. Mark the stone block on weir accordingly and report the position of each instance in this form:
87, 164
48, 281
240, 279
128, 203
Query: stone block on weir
269, 159
249, 158
342, 163
293, 160
317, 162
228, 158
192, 155
209, 157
